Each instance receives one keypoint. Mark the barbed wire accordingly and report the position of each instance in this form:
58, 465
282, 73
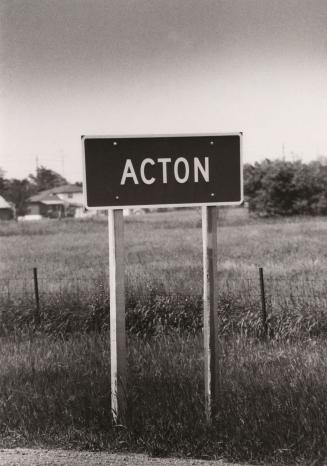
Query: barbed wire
288, 279
275, 287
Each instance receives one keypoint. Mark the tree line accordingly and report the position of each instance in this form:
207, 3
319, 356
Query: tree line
271, 187
19, 191
285, 188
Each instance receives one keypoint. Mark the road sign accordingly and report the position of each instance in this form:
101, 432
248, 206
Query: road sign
122, 172
162, 171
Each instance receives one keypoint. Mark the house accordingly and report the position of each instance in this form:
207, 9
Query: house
7, 210
62, 201
46, 204
70, 193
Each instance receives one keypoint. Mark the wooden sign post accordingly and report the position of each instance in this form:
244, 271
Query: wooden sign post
117, 314
210, 318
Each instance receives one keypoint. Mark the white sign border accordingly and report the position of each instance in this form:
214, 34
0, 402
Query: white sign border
154, 206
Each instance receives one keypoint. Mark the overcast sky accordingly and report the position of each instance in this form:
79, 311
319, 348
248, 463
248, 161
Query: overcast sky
73, 67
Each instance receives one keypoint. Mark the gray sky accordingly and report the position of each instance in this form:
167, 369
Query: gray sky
73, 67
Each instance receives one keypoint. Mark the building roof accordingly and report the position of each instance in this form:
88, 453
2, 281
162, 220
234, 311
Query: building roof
54, 200
46, 198
51, 194
67, 189
4, 204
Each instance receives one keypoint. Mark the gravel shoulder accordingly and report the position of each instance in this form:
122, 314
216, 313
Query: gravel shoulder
41, 457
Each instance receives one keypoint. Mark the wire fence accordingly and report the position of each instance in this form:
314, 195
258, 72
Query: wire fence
272, 289
75, 287
275, 288
262, 300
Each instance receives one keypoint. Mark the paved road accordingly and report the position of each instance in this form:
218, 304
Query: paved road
39, 457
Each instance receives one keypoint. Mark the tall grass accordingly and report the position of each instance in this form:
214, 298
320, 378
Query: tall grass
166, 248
296, 309
55, 380
272, 404
163, 257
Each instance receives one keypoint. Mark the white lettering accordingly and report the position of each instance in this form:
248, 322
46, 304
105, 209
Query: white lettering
164, 168
129, 172
187, 170
181, 170
144, 179
204, 170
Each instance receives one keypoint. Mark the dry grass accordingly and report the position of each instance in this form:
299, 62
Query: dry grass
164, 268
54, 385
272, 405
163, 246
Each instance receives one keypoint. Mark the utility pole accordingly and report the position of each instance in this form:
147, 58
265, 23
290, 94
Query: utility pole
63, 163
283, 151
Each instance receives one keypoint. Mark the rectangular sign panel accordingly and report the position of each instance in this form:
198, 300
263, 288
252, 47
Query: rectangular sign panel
162, 171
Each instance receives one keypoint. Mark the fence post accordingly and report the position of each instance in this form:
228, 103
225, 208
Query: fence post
263, 303
37, 298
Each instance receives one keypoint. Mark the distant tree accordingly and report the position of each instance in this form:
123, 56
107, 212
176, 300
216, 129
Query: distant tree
17, 192
268, 187
280, 190
47, 179
254, 185
319, 187
2, 181
286, 188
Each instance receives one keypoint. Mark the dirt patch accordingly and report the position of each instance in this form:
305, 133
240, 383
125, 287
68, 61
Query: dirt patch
40, 457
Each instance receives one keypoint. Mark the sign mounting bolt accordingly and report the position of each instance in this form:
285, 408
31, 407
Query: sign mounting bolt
117, 197
212, 143
115, 143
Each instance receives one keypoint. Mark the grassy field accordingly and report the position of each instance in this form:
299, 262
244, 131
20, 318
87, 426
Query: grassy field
55, 381
164, 272
272, 405
161, 247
